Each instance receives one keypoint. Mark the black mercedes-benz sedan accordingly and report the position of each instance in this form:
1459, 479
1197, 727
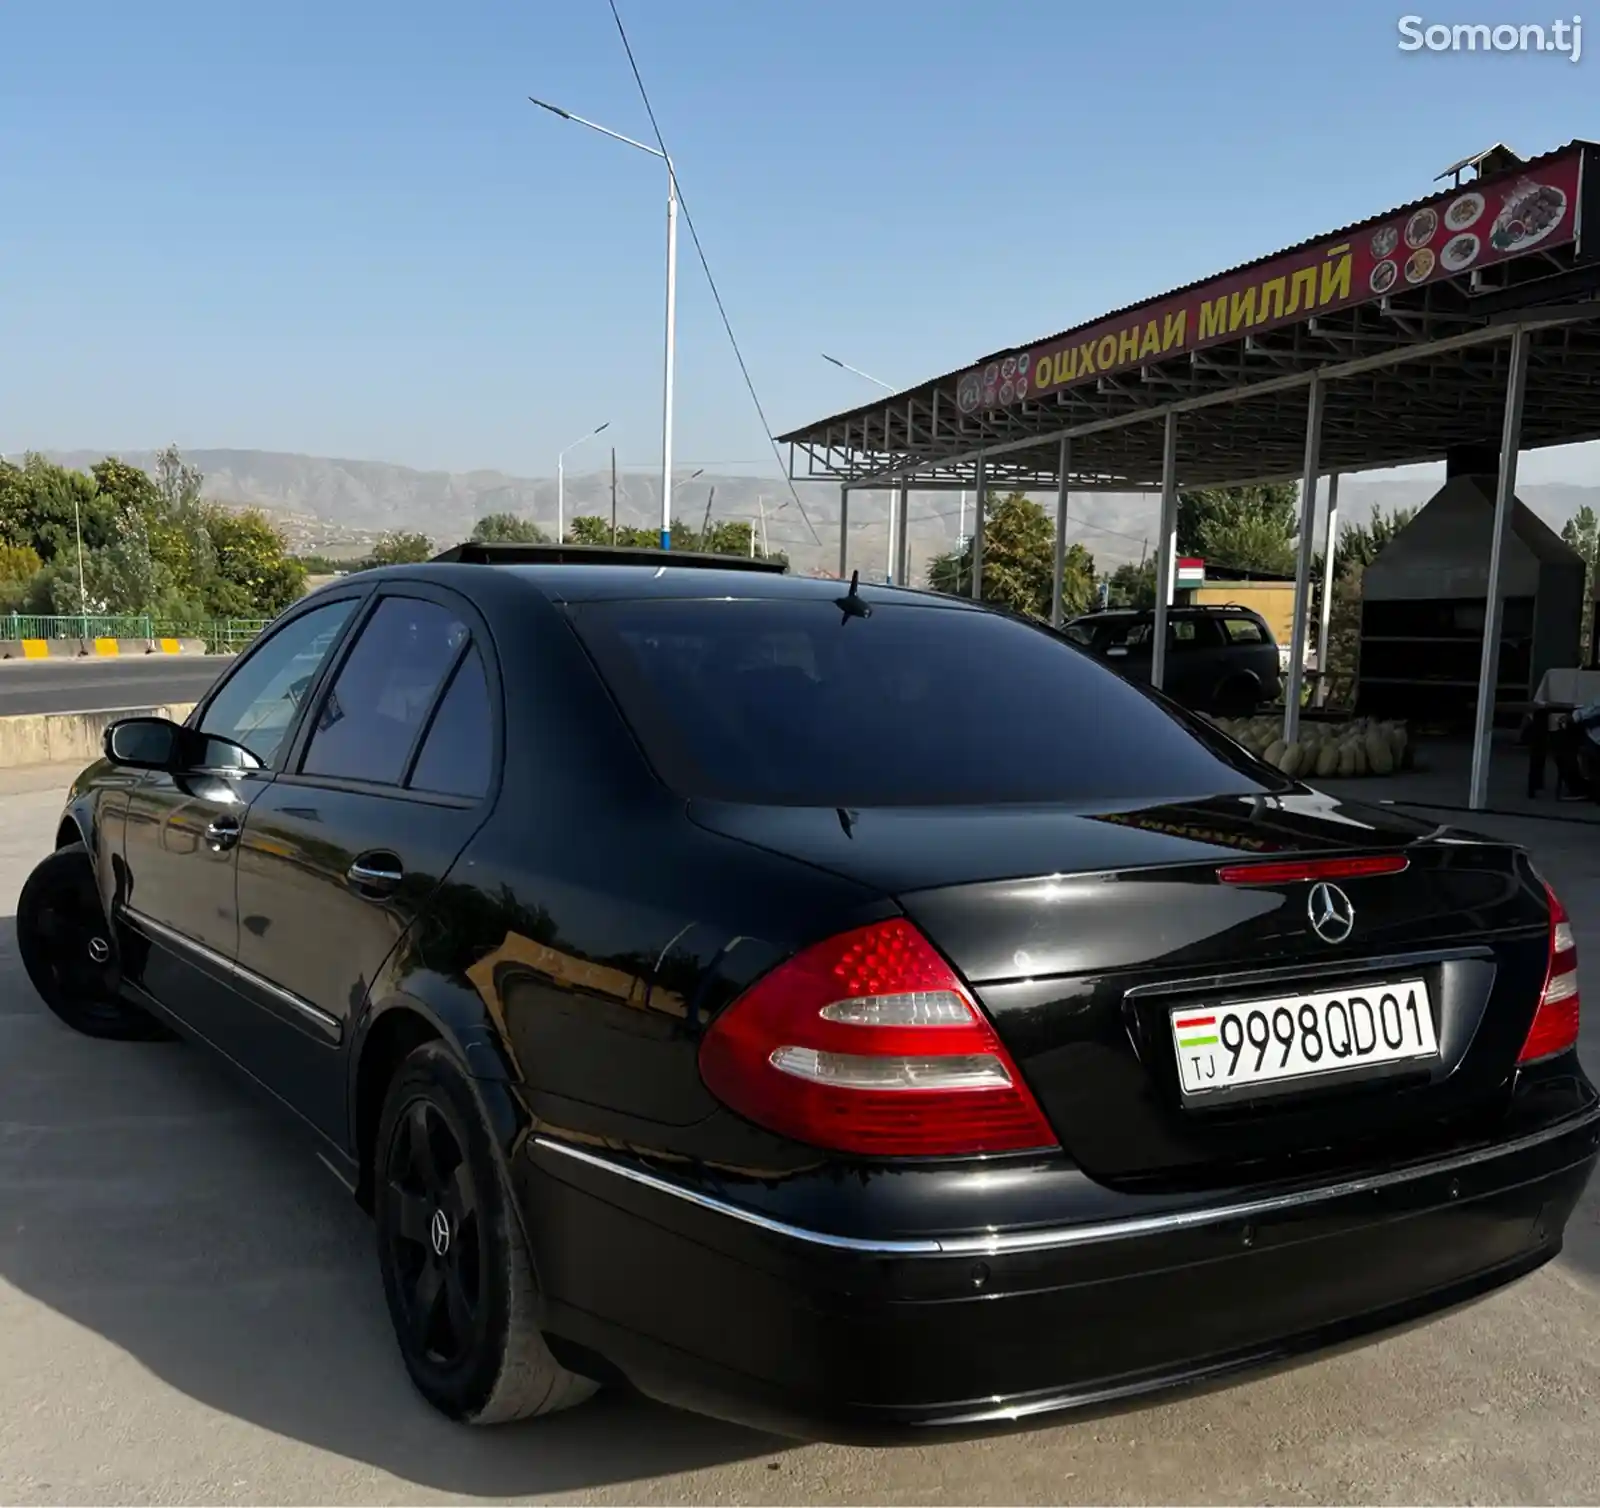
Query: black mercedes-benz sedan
845, 1010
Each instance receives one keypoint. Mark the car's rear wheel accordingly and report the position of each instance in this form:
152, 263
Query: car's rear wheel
70, 952
455, 1266
1239, 696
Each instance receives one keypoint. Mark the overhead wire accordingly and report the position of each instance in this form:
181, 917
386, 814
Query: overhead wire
705, 267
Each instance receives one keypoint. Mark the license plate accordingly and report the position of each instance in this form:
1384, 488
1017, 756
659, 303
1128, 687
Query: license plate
1301, 1037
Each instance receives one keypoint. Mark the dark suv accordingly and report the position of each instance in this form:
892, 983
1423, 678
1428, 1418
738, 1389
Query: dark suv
1219, 659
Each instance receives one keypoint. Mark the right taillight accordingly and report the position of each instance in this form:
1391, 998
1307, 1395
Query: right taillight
868, 1043
1555, 1023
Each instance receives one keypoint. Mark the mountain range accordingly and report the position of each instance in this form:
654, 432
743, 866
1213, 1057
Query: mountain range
340, 507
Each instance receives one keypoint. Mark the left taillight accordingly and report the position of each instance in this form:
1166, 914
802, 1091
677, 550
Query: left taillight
1555, 1023
868, 1043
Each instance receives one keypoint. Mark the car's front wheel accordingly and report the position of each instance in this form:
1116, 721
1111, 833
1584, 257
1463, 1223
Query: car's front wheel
455, 1266
70, 952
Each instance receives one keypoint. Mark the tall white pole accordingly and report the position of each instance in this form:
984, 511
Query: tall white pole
77, 523
1302, 569
1505, 502
1166, 551
1330, 546
979, 499
672, 342
561, 498
1058, 590
888, 564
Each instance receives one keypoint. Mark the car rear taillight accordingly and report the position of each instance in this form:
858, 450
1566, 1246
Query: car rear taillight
1555, 1023
868, 1043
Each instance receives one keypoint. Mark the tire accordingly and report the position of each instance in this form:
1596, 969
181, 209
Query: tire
71, 954
462, 1298
1238, 697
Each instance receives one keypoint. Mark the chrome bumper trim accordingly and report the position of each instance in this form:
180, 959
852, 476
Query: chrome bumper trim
1001, 1243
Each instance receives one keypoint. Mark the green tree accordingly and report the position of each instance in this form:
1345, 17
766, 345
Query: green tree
590, 529
43, 506
1133, 585
254, 575
1018, 562
19, 564
127, 487
176, 480
1248, 528
402, 548
1582, 532
1361, 544
509, 529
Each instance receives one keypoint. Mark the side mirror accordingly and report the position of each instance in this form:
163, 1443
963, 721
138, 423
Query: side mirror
144, 743
155, 743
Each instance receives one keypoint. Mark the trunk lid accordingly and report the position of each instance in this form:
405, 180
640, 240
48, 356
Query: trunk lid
1081, 929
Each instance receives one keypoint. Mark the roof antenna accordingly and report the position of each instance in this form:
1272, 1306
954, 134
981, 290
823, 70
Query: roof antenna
851, 604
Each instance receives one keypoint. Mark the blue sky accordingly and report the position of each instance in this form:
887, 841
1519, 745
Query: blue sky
337, 227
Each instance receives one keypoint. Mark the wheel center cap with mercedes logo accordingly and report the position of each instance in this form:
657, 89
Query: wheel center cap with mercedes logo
1330, 912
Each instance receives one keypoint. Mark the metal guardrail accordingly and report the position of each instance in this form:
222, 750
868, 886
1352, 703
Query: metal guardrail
221, 635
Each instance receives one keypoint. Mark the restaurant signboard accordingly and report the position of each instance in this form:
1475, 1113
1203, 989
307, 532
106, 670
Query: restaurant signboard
1449, 235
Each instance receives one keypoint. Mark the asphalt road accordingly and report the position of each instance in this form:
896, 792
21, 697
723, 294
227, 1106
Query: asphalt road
191, 1315
92, 684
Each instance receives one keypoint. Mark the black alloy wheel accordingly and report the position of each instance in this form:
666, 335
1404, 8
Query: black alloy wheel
70, 952
434, 1236
456, 1272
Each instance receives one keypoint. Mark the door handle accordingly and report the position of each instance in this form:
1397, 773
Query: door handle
381, 874
222, 833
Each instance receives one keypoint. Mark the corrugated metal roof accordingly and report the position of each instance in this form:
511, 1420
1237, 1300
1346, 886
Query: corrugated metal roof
1530, 165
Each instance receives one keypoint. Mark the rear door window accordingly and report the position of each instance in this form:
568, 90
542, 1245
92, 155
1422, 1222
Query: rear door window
776, 701
1243, 631
374, 710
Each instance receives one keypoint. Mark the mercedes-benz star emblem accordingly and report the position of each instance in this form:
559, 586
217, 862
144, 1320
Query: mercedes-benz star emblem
439, 1233
1332, 916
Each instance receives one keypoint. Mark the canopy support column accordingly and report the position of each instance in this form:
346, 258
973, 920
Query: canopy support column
1166, 550
1504, 499
1330, 544
980, 497
1063, 484
1302, 569
890, 551
844, 529
902, 560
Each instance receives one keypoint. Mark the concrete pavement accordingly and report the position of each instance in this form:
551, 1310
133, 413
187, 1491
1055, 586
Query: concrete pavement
191, 1314
93, 684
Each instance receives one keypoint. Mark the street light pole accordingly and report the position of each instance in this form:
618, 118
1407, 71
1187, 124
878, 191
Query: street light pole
672, 341
672, 302
561, 480
77, 524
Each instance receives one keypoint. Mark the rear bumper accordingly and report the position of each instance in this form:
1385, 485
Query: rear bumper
821, 1336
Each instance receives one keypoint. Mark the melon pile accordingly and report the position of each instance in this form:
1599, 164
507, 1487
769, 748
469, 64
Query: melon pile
1323, 751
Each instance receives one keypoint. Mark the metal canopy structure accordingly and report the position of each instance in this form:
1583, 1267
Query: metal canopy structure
1459, 320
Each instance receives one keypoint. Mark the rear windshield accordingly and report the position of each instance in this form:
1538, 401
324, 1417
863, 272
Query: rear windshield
788, 703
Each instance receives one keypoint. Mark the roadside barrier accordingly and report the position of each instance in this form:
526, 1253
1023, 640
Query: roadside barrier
58, 737
77, 649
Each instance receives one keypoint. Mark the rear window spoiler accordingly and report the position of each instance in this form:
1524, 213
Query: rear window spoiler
473, 552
